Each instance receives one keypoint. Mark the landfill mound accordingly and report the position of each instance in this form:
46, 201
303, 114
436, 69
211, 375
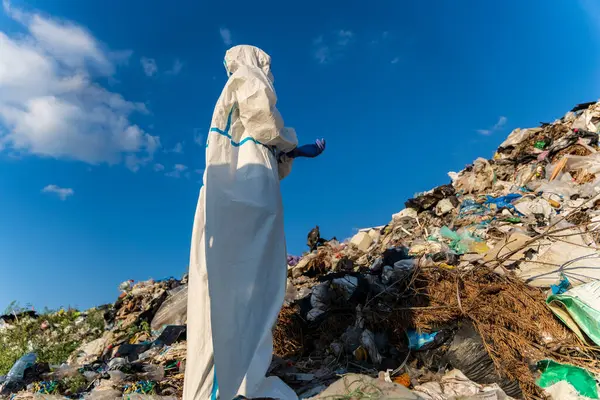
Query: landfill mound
484, 288
134, 348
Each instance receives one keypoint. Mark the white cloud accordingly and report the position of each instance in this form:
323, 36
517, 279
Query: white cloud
200, 136
62, 193
497, 126
344, 37
500, 124
159, 167
395, 60
149, 66
176, 69
323, 52
226, 36
51, 106
177, 170
178, 149
327, 48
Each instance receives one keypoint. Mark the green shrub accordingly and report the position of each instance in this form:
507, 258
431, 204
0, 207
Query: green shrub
52, 345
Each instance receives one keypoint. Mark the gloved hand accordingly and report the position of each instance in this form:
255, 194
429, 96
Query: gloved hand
308, 150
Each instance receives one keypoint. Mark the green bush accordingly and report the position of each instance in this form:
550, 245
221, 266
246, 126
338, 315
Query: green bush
52, 345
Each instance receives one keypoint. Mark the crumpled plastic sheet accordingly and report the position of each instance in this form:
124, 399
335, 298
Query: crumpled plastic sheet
471, 207
326, 292
455, 385
464, 242
18, 369
173, 311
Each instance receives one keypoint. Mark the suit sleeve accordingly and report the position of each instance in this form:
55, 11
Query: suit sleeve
257, 100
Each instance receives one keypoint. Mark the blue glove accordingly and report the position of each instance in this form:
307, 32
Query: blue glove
308, 150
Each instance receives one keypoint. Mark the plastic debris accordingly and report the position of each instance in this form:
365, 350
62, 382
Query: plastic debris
17, 371
417, 340
562, 287
578, 308
455, 385
174, 309
582, 380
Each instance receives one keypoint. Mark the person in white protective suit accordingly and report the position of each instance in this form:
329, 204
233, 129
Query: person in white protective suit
237, 277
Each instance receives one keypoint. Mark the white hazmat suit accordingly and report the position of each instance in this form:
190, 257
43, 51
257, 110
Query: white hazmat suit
238, 263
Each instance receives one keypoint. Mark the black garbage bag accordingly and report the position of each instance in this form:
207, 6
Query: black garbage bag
132, 352
428, 200
392, 255
171, 334
467, 353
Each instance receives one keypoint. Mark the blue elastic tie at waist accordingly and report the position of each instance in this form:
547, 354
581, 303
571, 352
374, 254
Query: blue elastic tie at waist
227, 135
213, 395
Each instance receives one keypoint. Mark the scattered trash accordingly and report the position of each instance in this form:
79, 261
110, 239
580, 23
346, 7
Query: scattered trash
455, 385
362, 386
457, 297
362, 240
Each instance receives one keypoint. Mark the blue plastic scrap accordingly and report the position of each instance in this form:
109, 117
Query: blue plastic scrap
504, 201
562, 286
471, 207
417, 340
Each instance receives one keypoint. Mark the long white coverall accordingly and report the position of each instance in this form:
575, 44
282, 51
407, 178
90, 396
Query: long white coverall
238, 269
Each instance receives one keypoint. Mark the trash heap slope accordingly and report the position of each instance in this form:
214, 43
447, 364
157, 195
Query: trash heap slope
483, 288
461, 277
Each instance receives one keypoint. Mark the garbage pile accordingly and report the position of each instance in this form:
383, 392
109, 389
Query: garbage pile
134, 348
486, 287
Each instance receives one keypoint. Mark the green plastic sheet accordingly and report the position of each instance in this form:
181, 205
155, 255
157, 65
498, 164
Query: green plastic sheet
582, 380
579, 309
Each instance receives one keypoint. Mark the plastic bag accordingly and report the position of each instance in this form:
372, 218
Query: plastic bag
18, 369
153, 372
173, 311
464, 242
170, 335
471, 207
328, 293
584, 121
503, 201
579, 309
467, 353
517, 136
563, 187
401, 270
582, 380
455, 385
417, 340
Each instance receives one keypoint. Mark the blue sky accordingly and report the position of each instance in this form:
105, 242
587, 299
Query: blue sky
102, 105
